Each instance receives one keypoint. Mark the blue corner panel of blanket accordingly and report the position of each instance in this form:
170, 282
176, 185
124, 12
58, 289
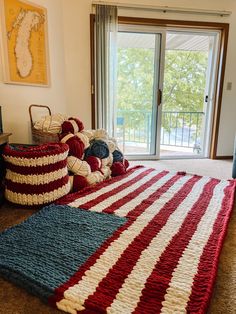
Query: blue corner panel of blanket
44, 251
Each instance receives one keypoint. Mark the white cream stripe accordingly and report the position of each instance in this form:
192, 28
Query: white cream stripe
36, 179
70, 306
89, 282
75, 126
113, 198
35, 162
66, 138
34, 199
127, 298
106, 189
127, 207
180, 287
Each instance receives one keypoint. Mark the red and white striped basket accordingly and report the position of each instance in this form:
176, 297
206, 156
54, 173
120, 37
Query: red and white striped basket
36, 175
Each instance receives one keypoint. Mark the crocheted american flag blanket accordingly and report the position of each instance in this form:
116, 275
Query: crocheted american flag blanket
145, 242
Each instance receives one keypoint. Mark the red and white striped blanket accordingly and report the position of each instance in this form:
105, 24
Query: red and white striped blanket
164, 258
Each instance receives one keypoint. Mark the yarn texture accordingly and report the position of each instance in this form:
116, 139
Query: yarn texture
50, 124
91, 153
173, 238
84, 139
72, 125
117, 156
94, 162
107, 161
88, 133
95, 177
117, 169
100, 134
76, 146
36, 175
106, 171
48, 248
79, 123
77, 166
145, 242
97, 148
112, 145
77, 183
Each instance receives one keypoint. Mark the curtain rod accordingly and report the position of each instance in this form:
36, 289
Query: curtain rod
164, 9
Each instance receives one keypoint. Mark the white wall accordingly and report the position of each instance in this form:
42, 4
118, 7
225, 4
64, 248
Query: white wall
15, 99
77, 56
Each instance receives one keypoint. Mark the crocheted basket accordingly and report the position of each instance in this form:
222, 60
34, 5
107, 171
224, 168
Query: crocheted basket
36, 175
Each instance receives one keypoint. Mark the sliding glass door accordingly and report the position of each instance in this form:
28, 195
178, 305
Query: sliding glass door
189, 79
138, 91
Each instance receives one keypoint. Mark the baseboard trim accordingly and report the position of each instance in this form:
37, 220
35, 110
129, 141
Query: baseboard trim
224, 157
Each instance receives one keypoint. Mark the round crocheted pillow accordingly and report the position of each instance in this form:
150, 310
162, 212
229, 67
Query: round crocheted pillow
36, 175
117, 155
106, 171
97, 148
112, 145
126, 163
95, 177
94, 162
117, 169
76, 146
100, 134
50, 124
78, 166
107, 161
72, 125
88, 133
77, 183
84, 139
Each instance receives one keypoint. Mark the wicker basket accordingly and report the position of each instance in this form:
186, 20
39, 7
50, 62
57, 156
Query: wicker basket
38, 136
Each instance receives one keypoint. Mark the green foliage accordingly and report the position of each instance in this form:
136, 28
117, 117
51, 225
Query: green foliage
184, 85
184, 80
135, 78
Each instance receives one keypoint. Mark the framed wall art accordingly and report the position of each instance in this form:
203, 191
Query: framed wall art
24, 43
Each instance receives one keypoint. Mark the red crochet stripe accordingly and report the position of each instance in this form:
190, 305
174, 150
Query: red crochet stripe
58, 294
110, 285
116, 205
207, 268
104, 196
158, 282
142, 206
86, 191
36, 189
49, 149
36, 170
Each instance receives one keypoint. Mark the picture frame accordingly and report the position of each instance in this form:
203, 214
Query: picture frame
24, 43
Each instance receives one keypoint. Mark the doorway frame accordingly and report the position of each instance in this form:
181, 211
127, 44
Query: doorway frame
211, 90
223, 28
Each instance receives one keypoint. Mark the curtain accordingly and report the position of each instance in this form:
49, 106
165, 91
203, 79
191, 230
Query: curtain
106, 27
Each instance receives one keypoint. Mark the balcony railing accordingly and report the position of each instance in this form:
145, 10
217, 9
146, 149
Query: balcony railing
179, 128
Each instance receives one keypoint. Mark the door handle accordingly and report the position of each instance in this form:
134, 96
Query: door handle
159, 97
206, 98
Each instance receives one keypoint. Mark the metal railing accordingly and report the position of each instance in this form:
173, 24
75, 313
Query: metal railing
134, 125
179, 128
